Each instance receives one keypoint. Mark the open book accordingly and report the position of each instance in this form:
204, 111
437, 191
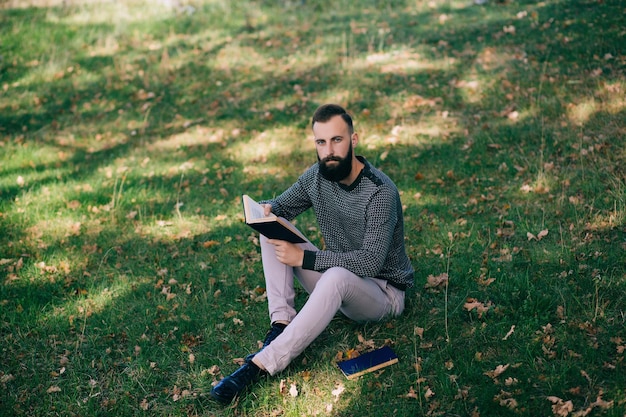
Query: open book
272, 226
368, 362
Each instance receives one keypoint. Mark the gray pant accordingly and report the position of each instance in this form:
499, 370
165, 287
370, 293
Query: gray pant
337, 289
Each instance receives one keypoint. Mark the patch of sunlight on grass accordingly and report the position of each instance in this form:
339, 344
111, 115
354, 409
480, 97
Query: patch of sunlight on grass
608, 221
184, 226
427, 130
106, 45
615, 94
52, 194
474, 85
418, 198
16, 4
400, 62
470, 89
57, 229
324, 393
243, 58
193, 136
19, 159
117, 12
581, 113
93, 301
492, 59
77, 137
207, 40
616, 217
32, 178
56, 67
278, 143
544, 183
23, 102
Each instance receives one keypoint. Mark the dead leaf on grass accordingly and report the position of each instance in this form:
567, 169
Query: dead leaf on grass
509, 333
411, 394
428, 393
539, 236
144, 405
498, 371
293, 390
559, 407
474, 304
53, 389
419, 331
436, 281
339, 389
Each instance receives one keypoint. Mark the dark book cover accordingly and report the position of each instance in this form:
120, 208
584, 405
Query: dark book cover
272, 226
368, 362
274, 229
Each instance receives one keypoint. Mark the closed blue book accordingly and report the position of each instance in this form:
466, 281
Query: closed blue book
368, 362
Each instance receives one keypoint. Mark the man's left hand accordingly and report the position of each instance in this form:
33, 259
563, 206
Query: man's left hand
288, 253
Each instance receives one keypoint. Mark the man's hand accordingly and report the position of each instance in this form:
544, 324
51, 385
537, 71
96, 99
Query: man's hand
267, 209
288, 253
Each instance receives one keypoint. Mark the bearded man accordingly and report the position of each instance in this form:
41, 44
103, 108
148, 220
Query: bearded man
362, 272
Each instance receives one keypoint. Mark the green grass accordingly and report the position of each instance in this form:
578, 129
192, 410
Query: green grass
129, 130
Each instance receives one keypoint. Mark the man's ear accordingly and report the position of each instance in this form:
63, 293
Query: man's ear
355, 139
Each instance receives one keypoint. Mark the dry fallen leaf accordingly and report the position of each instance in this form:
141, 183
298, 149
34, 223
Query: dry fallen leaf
485, 282
480, 308
539, 236
411, 393
436, 281
509, 333
339, 389
293, 390
497, 372
419, 331
559, 407
351, 354
599, 402
510, 381
509, 403
54, 388
365, 344
505, 399
144, 405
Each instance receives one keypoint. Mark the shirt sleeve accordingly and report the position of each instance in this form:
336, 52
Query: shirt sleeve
292, 202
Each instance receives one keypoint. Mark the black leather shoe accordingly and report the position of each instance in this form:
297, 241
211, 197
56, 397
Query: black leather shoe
272, 333
236, 383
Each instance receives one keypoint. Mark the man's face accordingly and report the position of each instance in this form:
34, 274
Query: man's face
333, 143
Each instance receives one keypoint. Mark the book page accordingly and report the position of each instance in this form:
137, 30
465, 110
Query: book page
255, 210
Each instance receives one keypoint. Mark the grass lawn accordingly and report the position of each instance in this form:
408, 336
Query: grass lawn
129, 130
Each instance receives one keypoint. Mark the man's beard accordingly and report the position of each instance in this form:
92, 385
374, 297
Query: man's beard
337, 172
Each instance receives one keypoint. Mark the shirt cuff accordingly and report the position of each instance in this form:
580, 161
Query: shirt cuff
308, 262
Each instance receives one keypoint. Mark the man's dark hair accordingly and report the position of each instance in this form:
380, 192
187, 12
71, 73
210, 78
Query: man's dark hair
325, 112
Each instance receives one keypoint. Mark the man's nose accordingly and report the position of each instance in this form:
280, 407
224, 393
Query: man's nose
331, 149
